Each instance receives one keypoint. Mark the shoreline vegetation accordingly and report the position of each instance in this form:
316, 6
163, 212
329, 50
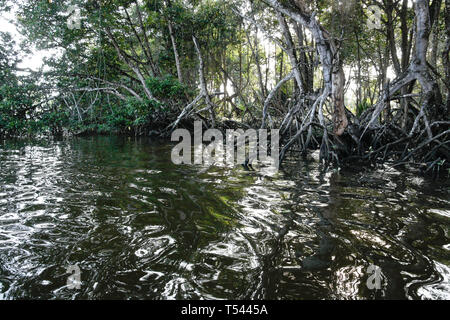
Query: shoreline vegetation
316, 70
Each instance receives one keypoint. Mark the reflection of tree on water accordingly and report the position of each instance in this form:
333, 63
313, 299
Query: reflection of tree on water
413, 269
357, 228
141, 227
274, 273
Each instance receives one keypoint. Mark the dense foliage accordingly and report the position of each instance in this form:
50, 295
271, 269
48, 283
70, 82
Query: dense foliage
348, 77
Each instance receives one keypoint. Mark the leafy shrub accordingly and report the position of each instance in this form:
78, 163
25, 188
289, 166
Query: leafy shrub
166, 87
360, 108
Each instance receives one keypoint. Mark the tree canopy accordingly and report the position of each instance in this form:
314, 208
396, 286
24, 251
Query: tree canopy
361, 80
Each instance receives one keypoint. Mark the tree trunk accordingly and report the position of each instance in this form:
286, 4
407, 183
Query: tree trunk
290, 51
445, 54
134, 68
203, 87
420, 65
333, 74
417, 70
391, 36
155, 68
175, 52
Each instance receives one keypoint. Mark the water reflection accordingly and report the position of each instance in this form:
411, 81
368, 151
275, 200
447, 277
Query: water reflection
140, 227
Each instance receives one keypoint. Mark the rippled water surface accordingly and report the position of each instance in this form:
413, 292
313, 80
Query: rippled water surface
140, 227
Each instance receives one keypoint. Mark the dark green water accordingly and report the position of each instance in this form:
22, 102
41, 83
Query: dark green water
140, 227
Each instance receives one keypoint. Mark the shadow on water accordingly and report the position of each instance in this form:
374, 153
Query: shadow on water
140, 227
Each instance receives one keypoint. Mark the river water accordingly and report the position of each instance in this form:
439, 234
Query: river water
139, 227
